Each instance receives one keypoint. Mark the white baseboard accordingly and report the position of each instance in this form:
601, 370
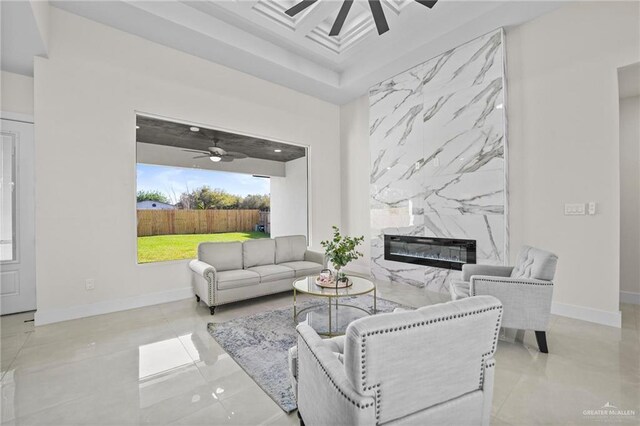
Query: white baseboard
612, 319
108, 306
630, 297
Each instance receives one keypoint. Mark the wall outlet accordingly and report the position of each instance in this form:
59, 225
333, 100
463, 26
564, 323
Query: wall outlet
89, 284
575, 209
592, 207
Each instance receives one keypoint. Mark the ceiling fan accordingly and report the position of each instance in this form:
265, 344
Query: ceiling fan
374, 5
217, 154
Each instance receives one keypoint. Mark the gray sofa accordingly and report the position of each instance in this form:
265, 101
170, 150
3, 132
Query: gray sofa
233, 271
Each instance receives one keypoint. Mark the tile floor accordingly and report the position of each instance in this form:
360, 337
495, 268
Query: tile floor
158, 365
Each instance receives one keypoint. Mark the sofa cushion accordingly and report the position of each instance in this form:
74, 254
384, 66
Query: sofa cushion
535, 263
258, 252
236, 278
303, 268
222, 256
272, 272
290, 249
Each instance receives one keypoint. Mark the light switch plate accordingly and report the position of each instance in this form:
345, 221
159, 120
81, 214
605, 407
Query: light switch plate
574, 209
89, 284
592, 207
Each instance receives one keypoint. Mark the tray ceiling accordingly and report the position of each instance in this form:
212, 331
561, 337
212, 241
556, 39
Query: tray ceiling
257, 37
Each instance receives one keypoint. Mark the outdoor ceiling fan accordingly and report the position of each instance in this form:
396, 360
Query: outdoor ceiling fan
374, 5
217, 154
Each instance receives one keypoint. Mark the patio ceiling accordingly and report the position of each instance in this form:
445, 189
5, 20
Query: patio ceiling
168, 133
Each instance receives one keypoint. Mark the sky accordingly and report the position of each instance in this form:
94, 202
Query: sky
176, 179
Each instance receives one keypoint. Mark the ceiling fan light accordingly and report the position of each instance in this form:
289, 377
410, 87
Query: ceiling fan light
215, 158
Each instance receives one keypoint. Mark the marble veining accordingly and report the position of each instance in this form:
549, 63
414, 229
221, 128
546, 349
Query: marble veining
438, 158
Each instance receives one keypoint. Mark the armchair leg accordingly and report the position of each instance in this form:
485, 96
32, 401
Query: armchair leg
300, 417
197, 298
541, 338
212, 309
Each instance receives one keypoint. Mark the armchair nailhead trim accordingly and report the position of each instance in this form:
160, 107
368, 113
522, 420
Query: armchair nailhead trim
355, 403
363, 342
489, 280
493, 350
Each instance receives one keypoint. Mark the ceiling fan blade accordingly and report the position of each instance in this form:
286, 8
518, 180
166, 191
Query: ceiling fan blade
428, 3
299, 7
218, 151
236, 155
202, 156
342, 15
196, 151
227, 159
378, 16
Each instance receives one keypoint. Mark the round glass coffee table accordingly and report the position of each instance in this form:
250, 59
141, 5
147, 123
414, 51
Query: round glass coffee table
332, 318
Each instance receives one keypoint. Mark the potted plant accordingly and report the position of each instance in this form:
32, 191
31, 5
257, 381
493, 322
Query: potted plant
341, 250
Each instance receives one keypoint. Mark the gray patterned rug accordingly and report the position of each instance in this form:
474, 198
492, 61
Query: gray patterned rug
259, 344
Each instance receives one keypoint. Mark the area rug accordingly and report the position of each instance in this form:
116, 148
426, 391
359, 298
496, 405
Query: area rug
260, 344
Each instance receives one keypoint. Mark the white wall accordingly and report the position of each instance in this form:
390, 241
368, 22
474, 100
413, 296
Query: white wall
87, 94
563, 131
355, 169
562, 115
630, 198
289, 200
16, 93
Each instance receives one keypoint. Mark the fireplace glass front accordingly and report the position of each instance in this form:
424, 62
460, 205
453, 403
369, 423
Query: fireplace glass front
447, 253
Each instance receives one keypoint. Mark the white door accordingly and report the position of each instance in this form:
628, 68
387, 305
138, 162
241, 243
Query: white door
17, 229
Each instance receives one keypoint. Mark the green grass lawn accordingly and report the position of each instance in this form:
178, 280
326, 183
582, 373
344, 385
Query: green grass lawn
160, 248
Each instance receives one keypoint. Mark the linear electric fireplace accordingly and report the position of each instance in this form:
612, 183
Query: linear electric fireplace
447, 253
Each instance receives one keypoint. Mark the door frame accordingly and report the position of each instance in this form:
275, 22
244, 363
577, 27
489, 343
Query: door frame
18, 232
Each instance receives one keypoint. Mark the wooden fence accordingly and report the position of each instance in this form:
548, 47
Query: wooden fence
265, 221
168, 222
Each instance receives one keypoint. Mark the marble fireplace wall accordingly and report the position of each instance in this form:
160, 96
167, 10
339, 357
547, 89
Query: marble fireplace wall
438, 167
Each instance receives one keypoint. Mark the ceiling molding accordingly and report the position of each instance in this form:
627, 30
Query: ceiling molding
252, 36
23, 34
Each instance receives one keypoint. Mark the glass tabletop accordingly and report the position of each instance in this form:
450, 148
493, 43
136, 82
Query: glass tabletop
308, 285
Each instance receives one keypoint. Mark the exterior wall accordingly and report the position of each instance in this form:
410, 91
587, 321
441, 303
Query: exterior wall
289, 200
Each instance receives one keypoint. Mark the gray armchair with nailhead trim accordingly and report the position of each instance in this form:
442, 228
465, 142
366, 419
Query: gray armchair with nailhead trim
434, 365
525, 289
